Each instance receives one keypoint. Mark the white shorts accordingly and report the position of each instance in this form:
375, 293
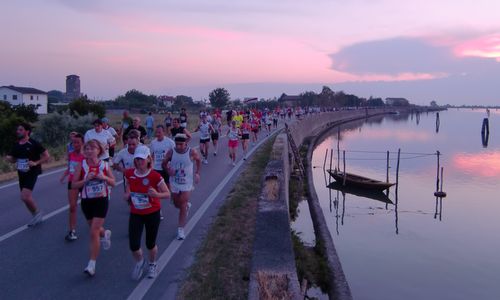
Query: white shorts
177, 189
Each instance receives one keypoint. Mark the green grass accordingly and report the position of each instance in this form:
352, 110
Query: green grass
223, 262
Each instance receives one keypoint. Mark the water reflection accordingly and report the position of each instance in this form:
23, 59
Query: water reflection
484, 164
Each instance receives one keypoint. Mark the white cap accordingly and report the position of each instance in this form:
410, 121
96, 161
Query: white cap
141, 152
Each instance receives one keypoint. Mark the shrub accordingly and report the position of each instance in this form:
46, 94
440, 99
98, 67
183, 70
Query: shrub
54, 130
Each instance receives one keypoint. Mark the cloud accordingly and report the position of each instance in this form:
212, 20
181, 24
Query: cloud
393, 57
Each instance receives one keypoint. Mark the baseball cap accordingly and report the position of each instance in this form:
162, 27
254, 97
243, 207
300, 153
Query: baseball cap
141, 152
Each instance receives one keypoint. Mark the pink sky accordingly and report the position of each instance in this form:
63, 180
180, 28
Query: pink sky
192, 47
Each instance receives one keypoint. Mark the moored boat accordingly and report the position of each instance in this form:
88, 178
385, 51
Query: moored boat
358, 181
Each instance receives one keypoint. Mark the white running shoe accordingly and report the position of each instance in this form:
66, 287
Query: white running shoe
138, 270
180, 233
234, 164
37, 219
106, 240
90, 270
152, 271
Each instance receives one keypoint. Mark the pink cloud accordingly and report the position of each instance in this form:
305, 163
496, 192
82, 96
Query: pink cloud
485, 46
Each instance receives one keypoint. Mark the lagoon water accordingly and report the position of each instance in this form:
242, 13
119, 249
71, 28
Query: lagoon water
418, 247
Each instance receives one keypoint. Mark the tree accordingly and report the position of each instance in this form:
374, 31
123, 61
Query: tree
82, 107
219, 97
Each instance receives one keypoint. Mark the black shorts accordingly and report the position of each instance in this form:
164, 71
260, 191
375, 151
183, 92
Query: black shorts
27, 180
95, 207
214, 136
164, 175
203, 141
245, 136
137, 223
112, 151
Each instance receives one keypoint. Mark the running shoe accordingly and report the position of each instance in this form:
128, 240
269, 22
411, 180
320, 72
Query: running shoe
106, 240
234, 164
152, 270
89, 270
37, 219
180, 233
215, 153
138, 270
71, 236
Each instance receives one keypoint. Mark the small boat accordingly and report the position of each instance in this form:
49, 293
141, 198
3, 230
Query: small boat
359, 192
358, 181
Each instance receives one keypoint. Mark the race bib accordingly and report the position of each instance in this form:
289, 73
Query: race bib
140, 201
95, 189
22, 165
72, 166
159, 156
180, 176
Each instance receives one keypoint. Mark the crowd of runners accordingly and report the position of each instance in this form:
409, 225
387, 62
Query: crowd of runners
155, 162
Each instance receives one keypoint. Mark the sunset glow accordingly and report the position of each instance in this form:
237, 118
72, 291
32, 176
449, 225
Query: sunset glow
480, 164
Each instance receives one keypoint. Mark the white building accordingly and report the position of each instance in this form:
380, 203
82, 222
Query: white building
16, 95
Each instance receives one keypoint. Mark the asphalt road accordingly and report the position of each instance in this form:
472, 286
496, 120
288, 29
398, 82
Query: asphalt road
37, 263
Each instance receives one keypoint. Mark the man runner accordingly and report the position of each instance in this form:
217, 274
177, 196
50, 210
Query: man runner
28, 155
205, 128
183, 166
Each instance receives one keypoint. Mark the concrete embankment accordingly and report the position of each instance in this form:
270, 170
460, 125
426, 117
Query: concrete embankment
273, 273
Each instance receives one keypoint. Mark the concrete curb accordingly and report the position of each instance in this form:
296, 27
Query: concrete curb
273, 259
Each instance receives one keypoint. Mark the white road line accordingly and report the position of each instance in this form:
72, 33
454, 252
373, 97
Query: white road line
143, 287
41, 176
45, 218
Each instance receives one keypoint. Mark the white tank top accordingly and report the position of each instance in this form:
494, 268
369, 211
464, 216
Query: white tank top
183, 166
233, 134
204, 131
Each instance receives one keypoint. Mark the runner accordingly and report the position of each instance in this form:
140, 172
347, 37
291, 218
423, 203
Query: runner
168, 124
245, 129
112, 131
145, 187
205, 129
159, 147
75, 157
150, 125
125, 158
28, 155
254, 123
136, 124
275, 119
232, 133
180, 162
177, 128
269, 123
183, 117
217, 126
102, 136
95, 179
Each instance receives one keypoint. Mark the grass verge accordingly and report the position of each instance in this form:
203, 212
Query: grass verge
223, 262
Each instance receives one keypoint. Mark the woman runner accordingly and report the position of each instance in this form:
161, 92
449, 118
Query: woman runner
245, 129
95, 178
74, 159
232, 134
145, 188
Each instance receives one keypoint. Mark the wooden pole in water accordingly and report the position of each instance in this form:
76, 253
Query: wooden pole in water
343, 156
326, 155
338, 148
387, 171
437, 175
331, 157
397, 169
441, 187
486, 126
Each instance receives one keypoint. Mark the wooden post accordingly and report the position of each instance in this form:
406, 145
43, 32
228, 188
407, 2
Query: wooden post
485, 129
437, 175
397, 169
331, 157
338, 148
387, 171
343, 156
437, 122
326, 155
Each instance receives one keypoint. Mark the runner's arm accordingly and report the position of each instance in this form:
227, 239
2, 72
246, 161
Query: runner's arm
162, 191
78, 181
197, 163
43, 159
10, 158
166, 160
188, 134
